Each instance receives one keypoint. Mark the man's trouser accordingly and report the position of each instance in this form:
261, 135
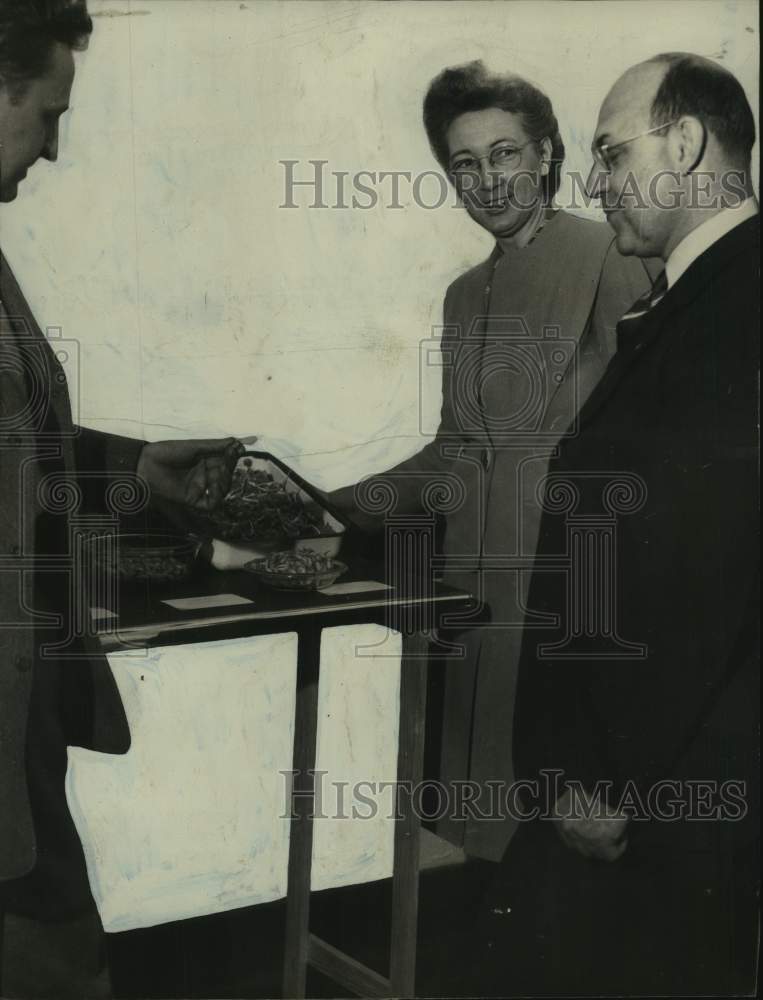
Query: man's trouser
64, 960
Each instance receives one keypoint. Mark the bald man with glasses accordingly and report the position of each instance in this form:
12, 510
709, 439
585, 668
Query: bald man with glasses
645, 878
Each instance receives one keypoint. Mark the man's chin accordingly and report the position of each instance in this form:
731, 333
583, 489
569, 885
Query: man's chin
625, 245
623, 236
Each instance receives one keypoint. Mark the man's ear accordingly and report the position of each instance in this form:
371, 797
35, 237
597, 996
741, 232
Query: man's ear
687, 143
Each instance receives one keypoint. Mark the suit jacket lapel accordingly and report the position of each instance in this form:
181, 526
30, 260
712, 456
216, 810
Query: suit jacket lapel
695, 280
26, 326
16, 305
15, 327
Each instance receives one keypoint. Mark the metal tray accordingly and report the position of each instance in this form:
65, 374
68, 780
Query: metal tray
215, 526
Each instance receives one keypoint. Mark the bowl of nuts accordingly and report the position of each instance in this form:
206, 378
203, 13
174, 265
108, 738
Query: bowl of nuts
134, 556
304, 569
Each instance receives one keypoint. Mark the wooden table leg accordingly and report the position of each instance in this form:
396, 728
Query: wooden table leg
300, 948
410, 769
301, 834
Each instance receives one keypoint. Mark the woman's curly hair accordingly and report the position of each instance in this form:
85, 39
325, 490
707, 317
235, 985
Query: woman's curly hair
471, 87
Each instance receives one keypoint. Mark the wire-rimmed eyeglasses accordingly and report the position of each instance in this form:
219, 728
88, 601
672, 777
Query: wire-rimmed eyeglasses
503, 157
601, 151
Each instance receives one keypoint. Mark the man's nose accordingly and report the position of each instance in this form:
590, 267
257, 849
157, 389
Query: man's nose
50, 149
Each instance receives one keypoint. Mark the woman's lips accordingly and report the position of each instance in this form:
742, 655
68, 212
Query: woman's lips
494, 205
493, 202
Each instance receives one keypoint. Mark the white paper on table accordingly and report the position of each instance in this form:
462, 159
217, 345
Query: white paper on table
191, 820
102, 613
207, 601
354, 587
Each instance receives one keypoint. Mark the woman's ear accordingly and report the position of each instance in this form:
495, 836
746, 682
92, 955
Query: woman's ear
546, 150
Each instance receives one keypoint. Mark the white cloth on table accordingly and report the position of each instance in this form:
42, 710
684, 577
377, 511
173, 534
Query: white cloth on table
191, 821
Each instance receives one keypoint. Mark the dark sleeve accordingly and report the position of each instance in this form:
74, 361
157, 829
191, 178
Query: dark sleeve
689, 560
109, 454
408, 481
686, 584
686, 571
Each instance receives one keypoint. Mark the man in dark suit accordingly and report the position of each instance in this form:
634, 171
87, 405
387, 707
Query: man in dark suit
637, 707
642, 688
50, 936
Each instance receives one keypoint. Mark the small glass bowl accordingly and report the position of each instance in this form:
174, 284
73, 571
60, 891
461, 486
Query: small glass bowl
287, 580
157, 557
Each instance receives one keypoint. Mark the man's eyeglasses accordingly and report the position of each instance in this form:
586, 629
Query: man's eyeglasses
504, 157
601, 152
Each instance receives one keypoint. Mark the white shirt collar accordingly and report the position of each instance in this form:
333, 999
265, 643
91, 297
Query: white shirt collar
703, 237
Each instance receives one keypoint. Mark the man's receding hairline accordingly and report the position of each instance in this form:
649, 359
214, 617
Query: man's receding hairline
620, 86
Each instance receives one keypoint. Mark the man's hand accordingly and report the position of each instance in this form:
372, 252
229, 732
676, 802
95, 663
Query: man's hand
591, 827
194, 473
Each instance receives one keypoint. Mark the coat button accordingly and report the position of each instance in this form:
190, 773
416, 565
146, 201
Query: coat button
23, 664
14, 550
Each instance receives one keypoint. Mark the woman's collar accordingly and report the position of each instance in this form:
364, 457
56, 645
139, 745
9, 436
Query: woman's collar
530, 231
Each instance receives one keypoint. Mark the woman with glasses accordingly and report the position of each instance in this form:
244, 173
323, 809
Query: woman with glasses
528, 333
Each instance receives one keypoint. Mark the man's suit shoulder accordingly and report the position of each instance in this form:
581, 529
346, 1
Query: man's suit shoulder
726, 276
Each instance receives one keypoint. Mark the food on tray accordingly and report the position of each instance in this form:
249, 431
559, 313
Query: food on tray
146, 557
257, 508
304, 561
302, 570
144, 566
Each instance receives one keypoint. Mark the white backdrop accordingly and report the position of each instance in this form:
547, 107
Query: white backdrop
199, 305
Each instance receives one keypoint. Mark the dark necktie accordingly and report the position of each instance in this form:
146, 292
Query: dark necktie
641, 307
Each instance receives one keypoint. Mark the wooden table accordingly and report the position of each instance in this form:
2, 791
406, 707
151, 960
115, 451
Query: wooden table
143, 620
